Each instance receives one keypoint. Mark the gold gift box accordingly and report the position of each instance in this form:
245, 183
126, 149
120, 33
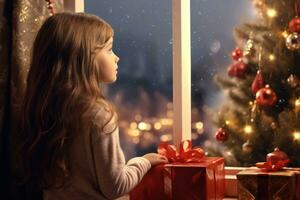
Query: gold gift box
258, 185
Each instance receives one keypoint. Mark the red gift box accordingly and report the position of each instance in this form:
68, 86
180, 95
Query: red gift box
183, 181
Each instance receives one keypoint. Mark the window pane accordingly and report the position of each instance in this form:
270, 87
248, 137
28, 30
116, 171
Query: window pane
212, 38
143, 90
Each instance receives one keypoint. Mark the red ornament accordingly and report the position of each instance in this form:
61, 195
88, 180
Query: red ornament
258, 82
266, 97
276, 156
294, 25
237, 54
221, 135
275, 161
238, 70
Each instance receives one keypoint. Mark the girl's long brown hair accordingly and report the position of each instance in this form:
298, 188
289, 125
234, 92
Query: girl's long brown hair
62, 84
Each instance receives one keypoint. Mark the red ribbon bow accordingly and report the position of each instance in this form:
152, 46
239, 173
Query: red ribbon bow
268, 166
186, 153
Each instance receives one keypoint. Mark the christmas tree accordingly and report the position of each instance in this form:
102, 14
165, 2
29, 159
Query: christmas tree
263, 88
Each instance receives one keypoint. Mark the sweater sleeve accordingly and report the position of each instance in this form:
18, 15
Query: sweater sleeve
114, 177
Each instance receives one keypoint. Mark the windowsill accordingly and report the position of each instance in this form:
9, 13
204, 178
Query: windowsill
127, 198
231, 182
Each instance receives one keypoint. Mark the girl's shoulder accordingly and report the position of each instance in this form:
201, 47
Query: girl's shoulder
102, 106
103, 114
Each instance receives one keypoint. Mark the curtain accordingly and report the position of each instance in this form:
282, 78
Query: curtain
19, 23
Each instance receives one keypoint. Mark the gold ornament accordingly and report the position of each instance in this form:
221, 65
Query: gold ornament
293, 41
249, 49
247, 147
273, 126
293, 81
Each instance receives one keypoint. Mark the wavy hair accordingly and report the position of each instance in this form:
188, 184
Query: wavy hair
62, 85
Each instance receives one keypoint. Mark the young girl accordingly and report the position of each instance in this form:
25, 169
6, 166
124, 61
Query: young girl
69, 130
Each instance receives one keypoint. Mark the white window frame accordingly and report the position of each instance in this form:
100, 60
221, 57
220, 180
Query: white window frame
74, 5
181, 26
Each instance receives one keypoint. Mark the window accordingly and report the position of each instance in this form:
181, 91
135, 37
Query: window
143, 40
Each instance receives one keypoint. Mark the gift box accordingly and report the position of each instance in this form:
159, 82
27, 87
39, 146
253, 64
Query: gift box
256, 184
297, 190
183, 181
297, 174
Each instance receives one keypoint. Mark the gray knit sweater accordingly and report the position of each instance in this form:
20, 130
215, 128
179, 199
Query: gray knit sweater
98, 165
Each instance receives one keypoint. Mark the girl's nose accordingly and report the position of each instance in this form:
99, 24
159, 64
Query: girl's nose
117, 59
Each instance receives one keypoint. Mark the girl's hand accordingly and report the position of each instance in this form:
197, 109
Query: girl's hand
156, 159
